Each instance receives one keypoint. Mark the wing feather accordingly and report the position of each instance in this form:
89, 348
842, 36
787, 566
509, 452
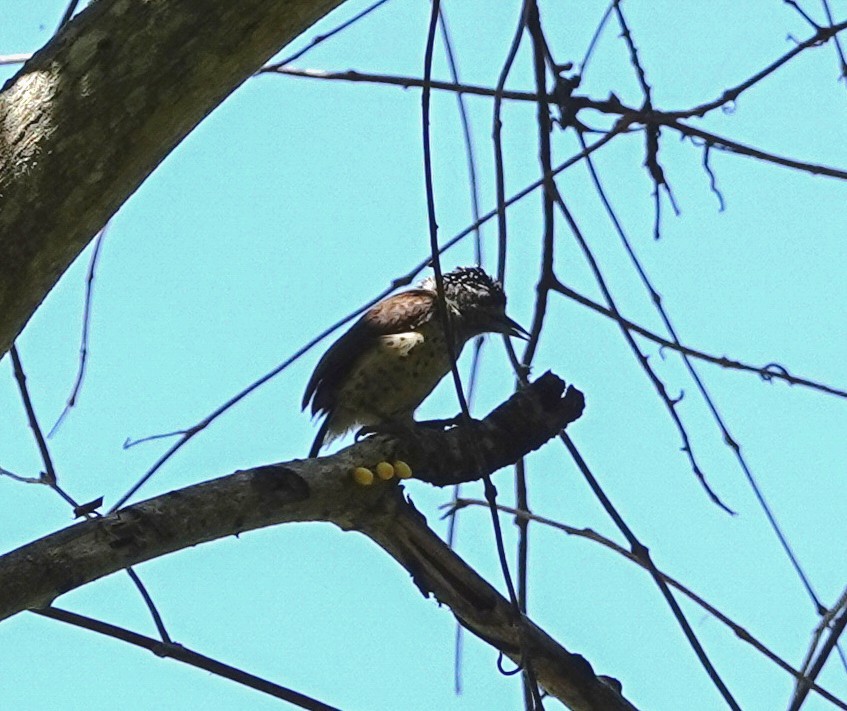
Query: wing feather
400, 313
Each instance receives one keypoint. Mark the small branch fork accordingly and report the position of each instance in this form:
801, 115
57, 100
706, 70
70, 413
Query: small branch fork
648, 116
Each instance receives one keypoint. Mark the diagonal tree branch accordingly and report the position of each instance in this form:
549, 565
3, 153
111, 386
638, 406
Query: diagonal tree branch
93, 112
32, 576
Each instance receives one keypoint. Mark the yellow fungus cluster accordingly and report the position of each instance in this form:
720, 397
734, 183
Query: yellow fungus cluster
384, 470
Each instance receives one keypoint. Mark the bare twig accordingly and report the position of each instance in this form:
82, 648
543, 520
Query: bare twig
187, 656
490, 491
323, 37
831, 642
86, 323
768, 373
713, 181
13, 58
670, 404
470, 156
640, 551
821, 35
588, 534
838, 49
151, 606
49, 474
22, 479
401, 81
731, 146
727, 437
805, 679
68, 14
540, 52
595, 38
496, 134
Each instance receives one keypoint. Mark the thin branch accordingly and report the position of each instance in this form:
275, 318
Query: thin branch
490, 491
633, 55
129, 442
68, 14
591, 535
713, 181
540, 51
316, 40
496, 134
86, 323
821, 35
741, 149
151, 606
186, 656
768, 373
831, 642
800, 11
22, 479
49, 474
545, 127
838, 49
826, 620
651, 129
401, 81
640, 551
727, 437
595, 38
659, 386
14, 58
467, 137
470, 157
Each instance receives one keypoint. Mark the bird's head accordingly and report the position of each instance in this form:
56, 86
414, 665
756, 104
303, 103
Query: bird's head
478, 301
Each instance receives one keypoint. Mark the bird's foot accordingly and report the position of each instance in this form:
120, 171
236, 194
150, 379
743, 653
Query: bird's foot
384, 471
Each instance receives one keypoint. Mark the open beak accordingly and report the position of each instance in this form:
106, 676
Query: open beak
512, 328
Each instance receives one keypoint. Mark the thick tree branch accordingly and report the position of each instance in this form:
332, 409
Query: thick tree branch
320, 489
92, 113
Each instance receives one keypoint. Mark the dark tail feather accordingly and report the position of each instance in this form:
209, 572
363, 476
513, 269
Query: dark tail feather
319, 438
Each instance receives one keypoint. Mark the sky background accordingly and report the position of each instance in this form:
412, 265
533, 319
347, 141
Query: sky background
297, 201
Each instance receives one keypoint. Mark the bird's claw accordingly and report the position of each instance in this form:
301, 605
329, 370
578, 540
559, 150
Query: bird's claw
389, 427
442, 424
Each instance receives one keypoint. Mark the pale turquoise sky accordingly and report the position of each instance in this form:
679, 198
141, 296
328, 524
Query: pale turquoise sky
297, 201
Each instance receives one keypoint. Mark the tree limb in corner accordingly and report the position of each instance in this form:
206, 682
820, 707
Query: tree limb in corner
95, 110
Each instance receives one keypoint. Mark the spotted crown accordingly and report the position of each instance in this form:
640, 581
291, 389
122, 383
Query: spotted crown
469, 287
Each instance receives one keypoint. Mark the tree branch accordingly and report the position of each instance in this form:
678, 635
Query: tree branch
93, 112
32, 576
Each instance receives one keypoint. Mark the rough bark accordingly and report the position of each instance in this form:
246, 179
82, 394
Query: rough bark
321, 490
86, 120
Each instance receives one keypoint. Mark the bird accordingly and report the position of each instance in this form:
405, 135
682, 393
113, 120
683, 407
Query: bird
391, 359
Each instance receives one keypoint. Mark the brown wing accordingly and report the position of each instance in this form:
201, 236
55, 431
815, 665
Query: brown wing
397, 314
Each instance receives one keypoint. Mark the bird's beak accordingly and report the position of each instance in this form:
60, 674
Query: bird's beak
512, 328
